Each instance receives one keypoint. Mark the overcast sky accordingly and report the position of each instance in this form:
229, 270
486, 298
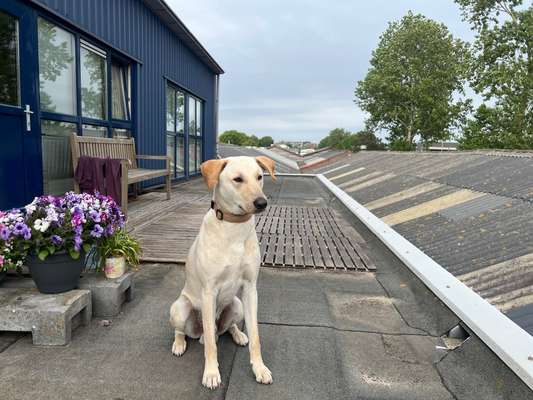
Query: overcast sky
291, 66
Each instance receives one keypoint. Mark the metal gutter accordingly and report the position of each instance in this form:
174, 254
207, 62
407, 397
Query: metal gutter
512, 344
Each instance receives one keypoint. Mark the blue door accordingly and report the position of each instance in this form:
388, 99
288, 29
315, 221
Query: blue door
20, 158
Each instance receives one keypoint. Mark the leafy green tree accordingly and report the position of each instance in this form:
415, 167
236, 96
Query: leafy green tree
342, 139
416, 73
266, 141
334, 138
502, 72
251, 141
233, 137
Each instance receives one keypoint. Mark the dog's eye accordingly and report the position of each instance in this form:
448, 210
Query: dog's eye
260, 177
238, 179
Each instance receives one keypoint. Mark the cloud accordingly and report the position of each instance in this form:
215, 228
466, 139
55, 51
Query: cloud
292, 66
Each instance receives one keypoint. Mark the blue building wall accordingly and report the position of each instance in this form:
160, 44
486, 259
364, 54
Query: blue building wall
130, 26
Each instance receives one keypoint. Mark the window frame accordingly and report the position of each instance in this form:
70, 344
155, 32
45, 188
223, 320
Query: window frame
110, 55
186, 136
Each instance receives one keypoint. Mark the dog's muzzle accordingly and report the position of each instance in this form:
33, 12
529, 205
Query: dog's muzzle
260, 203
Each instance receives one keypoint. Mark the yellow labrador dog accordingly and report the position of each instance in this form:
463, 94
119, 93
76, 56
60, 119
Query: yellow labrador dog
224, 259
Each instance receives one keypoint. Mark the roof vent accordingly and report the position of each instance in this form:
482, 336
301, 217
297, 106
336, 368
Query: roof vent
454, 338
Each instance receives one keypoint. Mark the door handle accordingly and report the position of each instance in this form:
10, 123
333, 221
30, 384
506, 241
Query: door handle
28, 113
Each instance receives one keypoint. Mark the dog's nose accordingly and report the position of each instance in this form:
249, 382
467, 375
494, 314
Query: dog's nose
260, 203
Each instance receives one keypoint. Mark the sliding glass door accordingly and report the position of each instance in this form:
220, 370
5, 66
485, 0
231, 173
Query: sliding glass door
184, 132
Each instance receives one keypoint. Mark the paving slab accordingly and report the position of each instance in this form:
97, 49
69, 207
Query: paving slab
49, 317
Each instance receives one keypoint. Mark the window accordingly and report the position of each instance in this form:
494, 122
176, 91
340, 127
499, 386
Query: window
195, 133
94, 131
120, 91
175, 119
74, 97
57, 69
9, 60
93, 82
57, 162
121, 133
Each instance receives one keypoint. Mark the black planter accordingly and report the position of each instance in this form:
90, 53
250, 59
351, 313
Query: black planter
2, 276
58, 273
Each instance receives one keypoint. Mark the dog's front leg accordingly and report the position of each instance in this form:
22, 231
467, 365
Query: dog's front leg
211, 377
262, 373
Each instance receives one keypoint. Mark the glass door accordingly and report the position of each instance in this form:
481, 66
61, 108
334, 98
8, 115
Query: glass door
20, 167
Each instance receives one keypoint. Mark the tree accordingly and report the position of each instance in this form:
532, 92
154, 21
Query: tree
233, 137
416, 72
251, 141
342, 139
502, 72
266, 141
334, 138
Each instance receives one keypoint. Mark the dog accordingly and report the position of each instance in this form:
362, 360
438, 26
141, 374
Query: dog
223, 260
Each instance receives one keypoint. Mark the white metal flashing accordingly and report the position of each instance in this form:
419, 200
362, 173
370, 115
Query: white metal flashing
512, 344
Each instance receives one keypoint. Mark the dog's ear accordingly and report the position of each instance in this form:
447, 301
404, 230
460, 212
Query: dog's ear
267, 164
211, 170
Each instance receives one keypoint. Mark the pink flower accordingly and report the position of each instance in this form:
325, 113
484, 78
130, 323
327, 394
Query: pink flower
1, 260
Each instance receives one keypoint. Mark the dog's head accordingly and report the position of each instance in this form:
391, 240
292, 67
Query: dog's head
238, 182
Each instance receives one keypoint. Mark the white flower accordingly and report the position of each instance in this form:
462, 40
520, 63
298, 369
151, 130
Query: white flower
30, 208
41, 225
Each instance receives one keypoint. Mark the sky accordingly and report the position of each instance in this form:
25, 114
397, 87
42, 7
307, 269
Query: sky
291, 66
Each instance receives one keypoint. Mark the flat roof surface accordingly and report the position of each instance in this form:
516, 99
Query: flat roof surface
325, 335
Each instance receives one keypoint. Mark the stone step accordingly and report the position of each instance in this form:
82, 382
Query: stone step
49, 317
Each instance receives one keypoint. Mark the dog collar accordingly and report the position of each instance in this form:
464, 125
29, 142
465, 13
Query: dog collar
229, 217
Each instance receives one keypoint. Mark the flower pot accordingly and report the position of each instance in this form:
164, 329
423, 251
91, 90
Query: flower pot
115, 267
2, 276
58, 273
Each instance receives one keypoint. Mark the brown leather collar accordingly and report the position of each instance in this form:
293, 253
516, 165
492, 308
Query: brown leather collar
229, 217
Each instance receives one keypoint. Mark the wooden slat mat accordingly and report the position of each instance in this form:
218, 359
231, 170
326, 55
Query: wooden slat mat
312, 237
298, 237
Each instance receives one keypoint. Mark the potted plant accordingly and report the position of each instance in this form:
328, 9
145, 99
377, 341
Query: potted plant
53, 233
117, 251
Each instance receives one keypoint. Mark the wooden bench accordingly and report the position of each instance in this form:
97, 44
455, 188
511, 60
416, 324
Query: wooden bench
124, 150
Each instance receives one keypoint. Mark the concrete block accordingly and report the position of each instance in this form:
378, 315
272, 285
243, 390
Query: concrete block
108, 295
49, 317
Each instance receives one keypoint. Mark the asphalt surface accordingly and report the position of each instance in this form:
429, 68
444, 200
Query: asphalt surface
325, 335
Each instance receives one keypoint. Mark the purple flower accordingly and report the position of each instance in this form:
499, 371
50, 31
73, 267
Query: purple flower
4, 233
78, 230
19, 228
57, 240
95, 216
97, 231
109, 230
26, 233
77, 242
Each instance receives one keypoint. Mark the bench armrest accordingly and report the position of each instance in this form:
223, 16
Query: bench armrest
149, 157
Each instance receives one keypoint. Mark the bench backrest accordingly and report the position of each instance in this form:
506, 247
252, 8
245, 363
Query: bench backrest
123, 149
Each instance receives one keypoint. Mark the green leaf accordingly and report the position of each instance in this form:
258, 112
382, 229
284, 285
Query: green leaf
51, 249
74, 254
42, 255
86, 247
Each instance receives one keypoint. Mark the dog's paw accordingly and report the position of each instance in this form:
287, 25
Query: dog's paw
179, 347
262, 374
239, 337
211, 379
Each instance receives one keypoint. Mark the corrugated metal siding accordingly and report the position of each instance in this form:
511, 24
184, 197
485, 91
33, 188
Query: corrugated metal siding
131, 27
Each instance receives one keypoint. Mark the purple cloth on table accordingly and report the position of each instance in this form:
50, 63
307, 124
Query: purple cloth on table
113, 174
90, 174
